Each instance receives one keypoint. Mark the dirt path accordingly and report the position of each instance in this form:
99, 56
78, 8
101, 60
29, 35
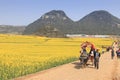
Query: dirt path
109, 70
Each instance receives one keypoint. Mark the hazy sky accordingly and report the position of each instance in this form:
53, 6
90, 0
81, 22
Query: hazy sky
23, 12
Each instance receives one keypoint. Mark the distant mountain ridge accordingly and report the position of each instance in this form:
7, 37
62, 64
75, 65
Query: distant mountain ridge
57, 24
53, 23
99, 22
10, 29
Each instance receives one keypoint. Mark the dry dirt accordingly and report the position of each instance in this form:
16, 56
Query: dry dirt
109, 70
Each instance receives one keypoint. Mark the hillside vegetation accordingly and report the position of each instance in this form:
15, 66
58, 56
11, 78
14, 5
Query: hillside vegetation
57, 24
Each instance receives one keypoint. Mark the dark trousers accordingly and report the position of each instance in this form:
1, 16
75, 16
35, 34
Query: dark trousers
96, 63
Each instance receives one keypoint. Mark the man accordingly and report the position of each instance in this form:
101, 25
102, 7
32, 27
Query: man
96, 58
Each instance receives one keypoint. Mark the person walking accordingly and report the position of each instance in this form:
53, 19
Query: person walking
118, 53
112, 53
91, 56
83, 57
96, 58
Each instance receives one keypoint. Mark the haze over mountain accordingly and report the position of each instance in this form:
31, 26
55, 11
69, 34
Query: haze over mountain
56, 24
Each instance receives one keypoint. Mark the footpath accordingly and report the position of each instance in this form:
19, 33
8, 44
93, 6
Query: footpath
108, 70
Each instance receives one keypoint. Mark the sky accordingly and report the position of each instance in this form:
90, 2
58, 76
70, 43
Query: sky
24, 12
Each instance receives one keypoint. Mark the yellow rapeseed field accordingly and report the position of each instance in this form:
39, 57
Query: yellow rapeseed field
21, 55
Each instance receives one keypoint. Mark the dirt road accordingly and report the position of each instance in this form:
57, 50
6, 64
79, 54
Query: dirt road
109, 70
